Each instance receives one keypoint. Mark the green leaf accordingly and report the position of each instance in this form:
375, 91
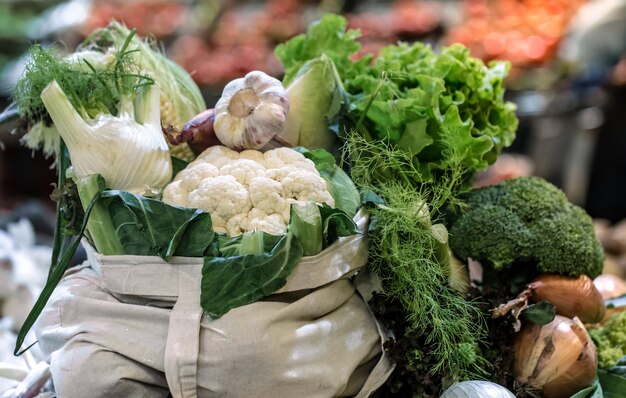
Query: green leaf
177, 166
327, 36
150, 227
415, 137
230, 282
335, 223
541, 313
593, 391
613, 385
57, 270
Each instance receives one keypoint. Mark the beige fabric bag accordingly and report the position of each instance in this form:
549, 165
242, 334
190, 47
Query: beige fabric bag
132, 326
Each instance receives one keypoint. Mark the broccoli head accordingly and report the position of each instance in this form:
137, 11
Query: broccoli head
527, 220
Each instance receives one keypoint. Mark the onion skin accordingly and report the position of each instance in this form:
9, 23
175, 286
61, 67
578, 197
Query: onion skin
198, 132
558, 358
572, 297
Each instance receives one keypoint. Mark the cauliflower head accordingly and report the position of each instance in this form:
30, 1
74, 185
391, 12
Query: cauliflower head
249, 190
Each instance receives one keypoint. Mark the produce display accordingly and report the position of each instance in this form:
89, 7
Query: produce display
525, 32
332, 210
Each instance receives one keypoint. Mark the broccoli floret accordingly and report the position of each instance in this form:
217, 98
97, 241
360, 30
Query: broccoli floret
527, 220
610, 340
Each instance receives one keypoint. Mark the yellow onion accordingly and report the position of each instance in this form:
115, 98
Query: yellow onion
559, 358
570, 296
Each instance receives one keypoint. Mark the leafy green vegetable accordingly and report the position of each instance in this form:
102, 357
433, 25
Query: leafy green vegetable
613, 379
315, 97
327, 36
335, 224
446, 110
63, 251
182, 98
91, 91
406, 252
541, 313
148, 226
593, 391
99, 226
229, 282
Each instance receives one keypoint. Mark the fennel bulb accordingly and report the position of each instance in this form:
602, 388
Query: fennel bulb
129, 150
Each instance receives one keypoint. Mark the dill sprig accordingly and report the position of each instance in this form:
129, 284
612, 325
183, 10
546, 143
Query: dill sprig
408, 258
92, 89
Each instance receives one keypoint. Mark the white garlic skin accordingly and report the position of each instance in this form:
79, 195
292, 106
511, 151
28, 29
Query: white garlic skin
251, 111
477, 389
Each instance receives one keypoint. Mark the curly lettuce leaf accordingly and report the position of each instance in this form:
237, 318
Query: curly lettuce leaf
446, 109
327, 36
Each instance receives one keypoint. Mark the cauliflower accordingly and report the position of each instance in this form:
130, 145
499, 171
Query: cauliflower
250, 190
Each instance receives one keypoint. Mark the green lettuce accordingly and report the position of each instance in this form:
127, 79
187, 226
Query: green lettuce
447, 110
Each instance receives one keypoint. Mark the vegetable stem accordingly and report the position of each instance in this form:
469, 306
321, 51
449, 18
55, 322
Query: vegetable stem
99, 225
306, 225
252, 243
63, 114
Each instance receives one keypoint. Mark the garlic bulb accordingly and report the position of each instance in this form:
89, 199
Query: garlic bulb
570, 296
251, 111
558, 358
477, 389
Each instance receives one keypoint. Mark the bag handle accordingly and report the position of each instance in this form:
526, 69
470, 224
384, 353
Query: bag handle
183, 337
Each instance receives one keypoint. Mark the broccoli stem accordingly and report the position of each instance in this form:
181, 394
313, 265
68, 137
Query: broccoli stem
99, 225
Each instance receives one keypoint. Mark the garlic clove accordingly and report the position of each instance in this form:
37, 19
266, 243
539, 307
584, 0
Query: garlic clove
558, 358
571, 296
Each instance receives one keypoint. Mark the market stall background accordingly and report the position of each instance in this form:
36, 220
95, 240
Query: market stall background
568, 80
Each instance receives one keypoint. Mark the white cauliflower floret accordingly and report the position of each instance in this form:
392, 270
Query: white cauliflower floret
248, 191
273, 224
277, 174
219, 224
281, 157
221, 196
217, 155
251, 154
176, 194
267, 195
307, 186
237, 225
192, 176
244, 170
